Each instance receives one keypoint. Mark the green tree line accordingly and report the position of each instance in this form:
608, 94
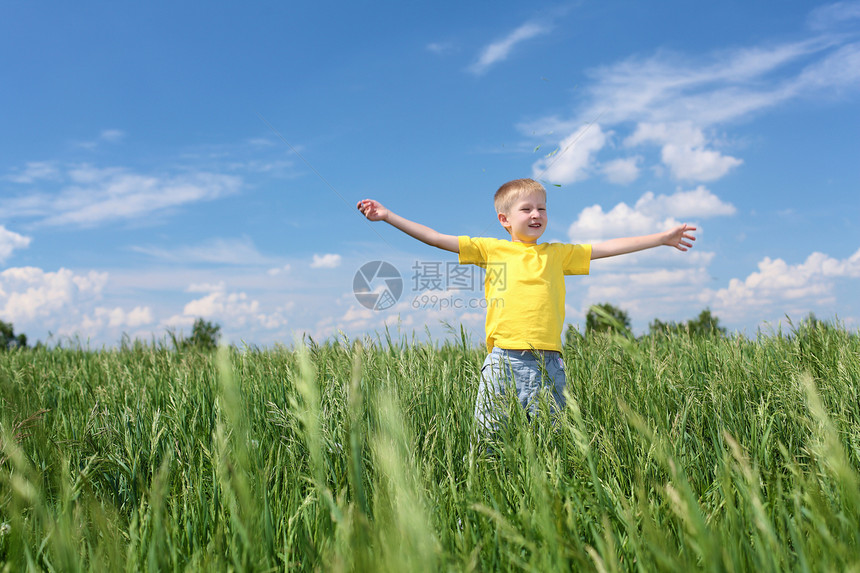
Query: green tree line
600, 318
8, 339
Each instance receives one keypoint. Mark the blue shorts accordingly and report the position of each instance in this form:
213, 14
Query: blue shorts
529, 372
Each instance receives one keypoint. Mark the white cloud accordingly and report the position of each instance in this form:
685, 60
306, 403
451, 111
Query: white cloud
106, 135
327, 261
622, 171
684, 151
224, 251
235, 305
275, 271
9, 241
676, 101
645, 294
777, 283
834, 15
838, 71
138, 316
499, 51
235, 309
704, 90
357, 313
117, 317
112, 135
574, 158
35, 171
98, 195
220, 286
441, 48
699, 202
178, 322
689, 163
29, 293
594, 223
65, 303
86, 174
650, 214
646, 284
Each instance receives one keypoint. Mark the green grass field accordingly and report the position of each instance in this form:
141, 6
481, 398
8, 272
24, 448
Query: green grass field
674, 454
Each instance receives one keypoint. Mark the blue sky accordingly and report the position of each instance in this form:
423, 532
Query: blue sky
167, 161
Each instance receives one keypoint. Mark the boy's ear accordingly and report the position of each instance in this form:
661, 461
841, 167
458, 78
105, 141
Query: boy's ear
503, 219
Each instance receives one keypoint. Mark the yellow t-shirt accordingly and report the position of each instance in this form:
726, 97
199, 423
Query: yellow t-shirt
524, 288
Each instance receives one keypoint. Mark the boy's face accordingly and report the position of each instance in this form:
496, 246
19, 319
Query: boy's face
526, 219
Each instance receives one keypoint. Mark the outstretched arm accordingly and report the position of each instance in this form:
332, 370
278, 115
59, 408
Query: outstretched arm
680, 237
374, 211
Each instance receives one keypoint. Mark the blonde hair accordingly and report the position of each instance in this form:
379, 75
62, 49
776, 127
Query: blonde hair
513, 190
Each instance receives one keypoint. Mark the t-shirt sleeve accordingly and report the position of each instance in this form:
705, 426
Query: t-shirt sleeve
472, 251
577, 260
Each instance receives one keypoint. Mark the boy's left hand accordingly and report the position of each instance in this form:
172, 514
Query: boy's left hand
680, 237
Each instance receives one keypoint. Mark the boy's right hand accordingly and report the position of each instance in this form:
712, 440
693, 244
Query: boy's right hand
373, 210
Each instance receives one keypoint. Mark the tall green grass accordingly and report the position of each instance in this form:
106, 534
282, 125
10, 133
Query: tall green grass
673, 454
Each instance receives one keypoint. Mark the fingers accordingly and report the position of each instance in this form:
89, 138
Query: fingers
371, 209
365, 206
685, 239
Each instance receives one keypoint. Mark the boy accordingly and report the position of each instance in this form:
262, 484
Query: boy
525, 295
